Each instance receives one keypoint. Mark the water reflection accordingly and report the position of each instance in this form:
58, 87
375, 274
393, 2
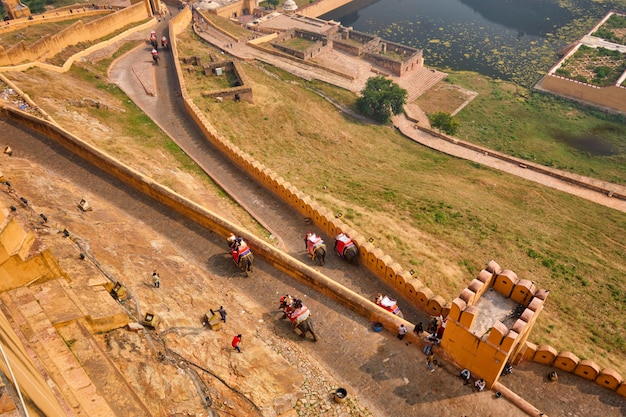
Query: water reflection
508, 39
535, 17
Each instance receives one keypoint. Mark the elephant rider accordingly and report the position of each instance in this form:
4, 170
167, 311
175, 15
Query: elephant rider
312, 242
297, 312
238, 247
342, 242
164, 42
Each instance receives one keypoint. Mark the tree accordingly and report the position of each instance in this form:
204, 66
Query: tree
444, 121
273, 3
380, 98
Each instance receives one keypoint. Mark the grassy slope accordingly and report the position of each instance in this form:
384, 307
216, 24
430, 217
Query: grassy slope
441, 216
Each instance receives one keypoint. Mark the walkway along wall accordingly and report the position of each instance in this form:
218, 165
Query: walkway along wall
610, 189
412, 288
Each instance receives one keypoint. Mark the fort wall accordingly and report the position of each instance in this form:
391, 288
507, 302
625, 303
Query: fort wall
50, 45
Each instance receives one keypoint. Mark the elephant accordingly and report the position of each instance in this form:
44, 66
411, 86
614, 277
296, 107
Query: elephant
306, 326
298, 314
316, 247
320, 254
245, 263
241, 253
345, 248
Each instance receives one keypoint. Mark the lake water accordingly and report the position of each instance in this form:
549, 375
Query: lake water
507, 39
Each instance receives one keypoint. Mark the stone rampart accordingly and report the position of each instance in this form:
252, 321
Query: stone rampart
569, 362
50, 45
485, 355
58, 15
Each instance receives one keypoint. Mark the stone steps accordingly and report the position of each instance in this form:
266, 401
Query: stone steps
53, 356
68, 354
419, 81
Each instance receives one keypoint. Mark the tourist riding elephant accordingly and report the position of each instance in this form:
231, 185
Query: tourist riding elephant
345, 248
316, 247
298, 314
241, 253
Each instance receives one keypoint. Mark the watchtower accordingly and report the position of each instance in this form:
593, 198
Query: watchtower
489, 323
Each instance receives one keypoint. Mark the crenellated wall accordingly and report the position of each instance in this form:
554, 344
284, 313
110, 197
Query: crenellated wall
485, 355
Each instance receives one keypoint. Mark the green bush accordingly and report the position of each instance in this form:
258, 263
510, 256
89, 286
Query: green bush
602, 71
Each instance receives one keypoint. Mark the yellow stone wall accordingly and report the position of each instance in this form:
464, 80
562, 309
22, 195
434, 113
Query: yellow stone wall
612, 96
50, 45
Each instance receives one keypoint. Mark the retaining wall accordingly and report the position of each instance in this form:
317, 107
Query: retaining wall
613, 190
613, 96
50, 45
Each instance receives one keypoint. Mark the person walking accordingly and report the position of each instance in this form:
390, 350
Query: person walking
401, 331
222, 312
419, 328
156, 279
430, 360
237, 342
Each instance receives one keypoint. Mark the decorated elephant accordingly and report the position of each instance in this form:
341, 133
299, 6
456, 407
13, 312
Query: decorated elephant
241, 253
298, 314
345, 248
316, 247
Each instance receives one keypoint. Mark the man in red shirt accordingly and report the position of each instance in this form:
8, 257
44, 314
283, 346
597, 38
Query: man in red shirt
236, 342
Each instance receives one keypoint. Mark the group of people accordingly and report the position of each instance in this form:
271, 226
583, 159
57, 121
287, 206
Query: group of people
293, 309
165, 44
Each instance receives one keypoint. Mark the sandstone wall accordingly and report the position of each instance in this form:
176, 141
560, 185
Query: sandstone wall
612, 96
50, 45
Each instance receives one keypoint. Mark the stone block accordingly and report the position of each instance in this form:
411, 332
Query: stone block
523, 291
587, 369
504, 282
468, 316
609, 378
566, 361
493, 267
456, 308
545, 354
435, 305
497, 333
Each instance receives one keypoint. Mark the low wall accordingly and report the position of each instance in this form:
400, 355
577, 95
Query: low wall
568, 362
612, 96
613, 190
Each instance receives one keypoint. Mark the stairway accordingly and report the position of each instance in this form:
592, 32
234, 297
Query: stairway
419, 81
